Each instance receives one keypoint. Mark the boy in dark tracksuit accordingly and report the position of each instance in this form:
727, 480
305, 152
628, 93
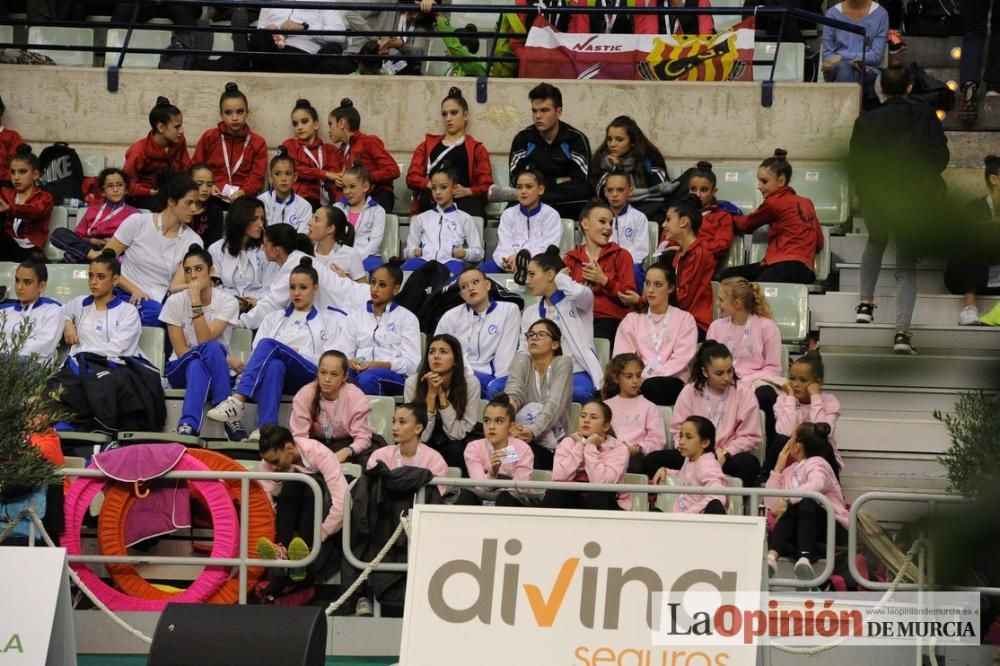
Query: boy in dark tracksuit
558, 150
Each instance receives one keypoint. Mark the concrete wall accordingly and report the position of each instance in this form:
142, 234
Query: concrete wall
688, 121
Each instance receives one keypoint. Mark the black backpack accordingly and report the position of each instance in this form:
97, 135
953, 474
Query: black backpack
450, 297
422, 285
62, 172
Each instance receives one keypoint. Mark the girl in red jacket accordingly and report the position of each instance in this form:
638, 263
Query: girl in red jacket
604, 266
355, 146
163, 150
793, 234
313, 158
457, 151
9, 141
25, 208
237, 156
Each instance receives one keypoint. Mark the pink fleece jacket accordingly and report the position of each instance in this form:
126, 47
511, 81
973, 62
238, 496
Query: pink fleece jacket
477, 460
317, 458
637, 421
812, 473
789, 414
347, 416
425, 457
756, 346
737, 429
704, 472
680, 342
603, 464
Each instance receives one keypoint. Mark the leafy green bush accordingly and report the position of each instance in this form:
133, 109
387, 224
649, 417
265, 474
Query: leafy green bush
973, 461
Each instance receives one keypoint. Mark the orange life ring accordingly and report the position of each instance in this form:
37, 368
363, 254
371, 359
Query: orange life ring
118, 499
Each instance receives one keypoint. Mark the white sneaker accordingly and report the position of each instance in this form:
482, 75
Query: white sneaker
254, 436
229, 409
363, 608
804, 569
969, 316
772, 565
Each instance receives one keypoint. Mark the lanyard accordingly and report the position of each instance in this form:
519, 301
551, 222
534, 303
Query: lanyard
717, 419
656, 339
225, 155
327, 428
319, 151
431, 165
16, 224
989, 202
744, 340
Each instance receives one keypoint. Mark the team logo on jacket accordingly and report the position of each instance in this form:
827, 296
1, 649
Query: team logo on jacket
493, 329
628, 232
391, 327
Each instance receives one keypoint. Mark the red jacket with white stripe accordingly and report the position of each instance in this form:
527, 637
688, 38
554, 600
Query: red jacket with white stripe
249, 177
374, 157
793, 232
145, 161
480, 171
311, 178
33, 213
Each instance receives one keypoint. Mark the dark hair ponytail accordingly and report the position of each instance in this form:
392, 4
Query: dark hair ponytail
23, 153
502, 401
109, 260
550, 260
778, 165
815, 441
303, 104
348, 113
343, 231
305, 267
282, 156
232, 91
163, 111
709, 350
705, 429
455, 94
195, 250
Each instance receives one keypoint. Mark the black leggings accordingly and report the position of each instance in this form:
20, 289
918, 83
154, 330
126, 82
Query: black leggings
774, 446
606, 327
715, 508
571, 499
794, 272
801, 529
294, 517
661, 391
543, 457
766, 397
743, 466
969, 276
468, 498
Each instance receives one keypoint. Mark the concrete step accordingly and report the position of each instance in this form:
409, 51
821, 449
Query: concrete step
891, 432
961, 339
947, 72
988, 118
849, 248
970, 147
931, 51
912, 402
930, 278
931, 368
930, 310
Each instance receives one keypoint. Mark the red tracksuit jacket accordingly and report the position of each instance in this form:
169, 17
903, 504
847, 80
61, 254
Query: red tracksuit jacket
617, 265
249, 176
374, 157
9, 141
695, 269
33, 213
480, 171
145, 161
793, 233
311, 177
715, 232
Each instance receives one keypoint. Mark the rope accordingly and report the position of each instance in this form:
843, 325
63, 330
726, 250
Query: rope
404, 524
12, 525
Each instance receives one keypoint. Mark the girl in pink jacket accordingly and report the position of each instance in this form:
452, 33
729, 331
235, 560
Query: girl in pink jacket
594, 455
332, 410
700, 469
637, 421
806, 463
497, 456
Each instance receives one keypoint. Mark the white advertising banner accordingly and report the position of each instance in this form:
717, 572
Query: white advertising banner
494, 586
36, 621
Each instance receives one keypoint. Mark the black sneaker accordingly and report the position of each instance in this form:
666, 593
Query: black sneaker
865, 313
903, 343
521, 260
235, 431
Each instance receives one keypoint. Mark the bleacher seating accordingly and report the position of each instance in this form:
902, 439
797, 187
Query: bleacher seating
790, 65
141, 39
738, 185
64, 37
93, 162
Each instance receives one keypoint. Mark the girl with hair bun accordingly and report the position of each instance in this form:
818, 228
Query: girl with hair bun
354, 147
285, 352
716, 231
626, 149
99, 222
807, 462
455, 150
283, 250
28, 304
281, 204
236, 154
25, 208
313, 157
497, 455
164, 150
102, 323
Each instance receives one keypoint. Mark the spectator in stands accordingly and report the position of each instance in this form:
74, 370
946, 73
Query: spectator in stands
748, 330
461, 43
154, 245
805, 463
199, 323
571, 306
850, 58
540, 389
716, 393
629, 226
24, 207
365, 215
636, 420
284, 250
556, 149
355, 148
296, 47
488, 329
716, 230
281, 205
802, 401
672, 24
626, 149
445, 233
102, 323
163, 150
701, 469
592, 454
974, 14
370, 66
209, 217
237, 155
524, 230
602, 266
970, 275
9, 141
456, 151
405, 43
238, 259
897, 154
99, 222
384, 337
693, 265
665, 338
333, 238
451, 395
332, 410
793, 236
286, 349
408, 425
182, 15
28, 305
294, 508
313, 158
498, 455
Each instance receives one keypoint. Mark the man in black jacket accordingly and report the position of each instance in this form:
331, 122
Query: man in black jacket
898, 151
556, 149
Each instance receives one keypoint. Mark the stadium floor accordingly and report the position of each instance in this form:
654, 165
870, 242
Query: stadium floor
140, 660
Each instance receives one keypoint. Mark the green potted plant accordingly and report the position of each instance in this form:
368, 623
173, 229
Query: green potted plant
973, 461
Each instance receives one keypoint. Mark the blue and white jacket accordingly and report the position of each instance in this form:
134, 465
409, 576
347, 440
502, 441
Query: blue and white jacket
394, 337
532, 230
369, 230
630, 229
489, 340
294, 210
113, 333
325, 330
47, 319
439, 231
242, 275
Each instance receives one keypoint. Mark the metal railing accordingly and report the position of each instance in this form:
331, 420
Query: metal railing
491, 37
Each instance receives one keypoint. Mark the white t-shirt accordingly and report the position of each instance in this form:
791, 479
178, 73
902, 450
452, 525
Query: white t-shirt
294, 332
150, 259
177, 311
346, 257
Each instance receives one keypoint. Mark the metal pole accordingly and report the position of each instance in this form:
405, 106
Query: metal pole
244, 536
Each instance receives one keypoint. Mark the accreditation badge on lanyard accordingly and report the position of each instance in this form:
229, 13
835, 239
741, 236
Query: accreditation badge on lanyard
716, 419
657, 341
230, 171
744, 341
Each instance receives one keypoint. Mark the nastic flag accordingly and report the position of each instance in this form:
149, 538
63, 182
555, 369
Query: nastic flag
727, 56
